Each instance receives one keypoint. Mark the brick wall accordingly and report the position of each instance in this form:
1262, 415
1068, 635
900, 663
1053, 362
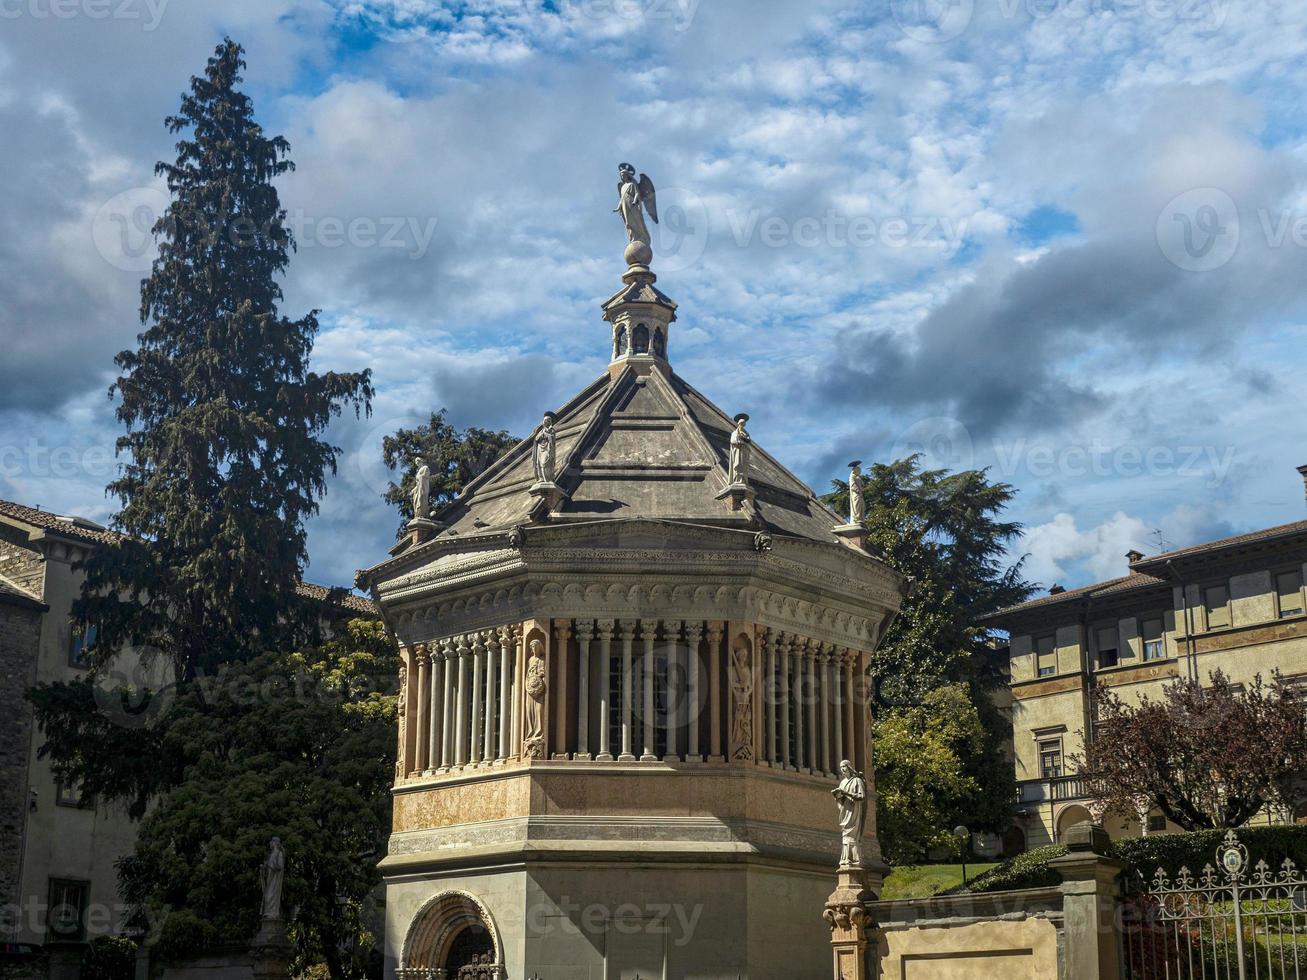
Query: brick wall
20, 633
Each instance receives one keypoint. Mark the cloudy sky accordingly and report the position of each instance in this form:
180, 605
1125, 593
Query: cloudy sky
1064, 239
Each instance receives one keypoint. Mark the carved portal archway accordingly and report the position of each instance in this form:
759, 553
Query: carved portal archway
451, 938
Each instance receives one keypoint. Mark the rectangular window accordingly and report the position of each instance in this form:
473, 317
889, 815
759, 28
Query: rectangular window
1050, 758
67, 913
1289, 587
1154, 647
79, 647
1156, 824
1217, 600
1045, 656
70, 794
1108, 653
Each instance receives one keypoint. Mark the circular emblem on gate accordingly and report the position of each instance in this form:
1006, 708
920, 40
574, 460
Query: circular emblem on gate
1232, 855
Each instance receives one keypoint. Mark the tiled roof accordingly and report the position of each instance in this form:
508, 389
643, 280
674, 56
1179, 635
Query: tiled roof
1126, 583
1252, 537
85, 530
15, 595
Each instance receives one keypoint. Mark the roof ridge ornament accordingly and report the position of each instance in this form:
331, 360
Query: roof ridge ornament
639, 312
737, 478
854, 533
633, 199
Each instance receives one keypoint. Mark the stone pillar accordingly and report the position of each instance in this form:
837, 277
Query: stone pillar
407, 683
605, 690
584, 634
770, 693
674, 697
447, 651
434, 716
519, 667
505, 690
424, 705
492, 659
786, 643
825, 674
837, 672
563, 633
628, 689
693, 705
478, 695
808, 707
460, 713
850, 709
715, 753
851, 927
1089, 903
649, 630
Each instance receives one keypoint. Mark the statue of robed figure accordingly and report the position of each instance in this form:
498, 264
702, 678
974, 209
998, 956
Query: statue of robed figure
634, 197
857, 502
741, 447
851, 798
421, 493
271, 876
545, 449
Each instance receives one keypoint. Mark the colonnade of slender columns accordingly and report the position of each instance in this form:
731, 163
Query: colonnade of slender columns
625, 690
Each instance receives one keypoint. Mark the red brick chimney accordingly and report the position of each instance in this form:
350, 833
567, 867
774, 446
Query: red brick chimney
1133, 556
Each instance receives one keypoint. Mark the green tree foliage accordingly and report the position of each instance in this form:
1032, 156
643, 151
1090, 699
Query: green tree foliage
455, 459
1207, 756
922, 785
943, 531
298, 746
224, 455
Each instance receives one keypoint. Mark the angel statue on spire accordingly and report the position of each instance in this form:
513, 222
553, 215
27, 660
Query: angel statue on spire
632, 196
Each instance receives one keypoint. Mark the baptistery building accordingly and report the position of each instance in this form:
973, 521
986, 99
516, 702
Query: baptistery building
634, 656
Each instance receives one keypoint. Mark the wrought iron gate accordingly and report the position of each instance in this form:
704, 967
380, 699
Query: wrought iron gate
1231, 922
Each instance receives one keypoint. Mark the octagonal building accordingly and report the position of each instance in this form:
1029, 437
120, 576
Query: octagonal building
634, 654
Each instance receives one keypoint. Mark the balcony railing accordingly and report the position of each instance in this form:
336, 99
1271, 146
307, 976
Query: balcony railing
1059, 789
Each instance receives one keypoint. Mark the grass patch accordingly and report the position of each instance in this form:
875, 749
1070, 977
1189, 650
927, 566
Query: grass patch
925, 880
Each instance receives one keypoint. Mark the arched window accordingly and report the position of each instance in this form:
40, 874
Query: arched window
659, 344
640, 339
619, 342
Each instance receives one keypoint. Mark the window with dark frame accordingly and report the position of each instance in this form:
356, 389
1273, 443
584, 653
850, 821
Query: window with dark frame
1045, 656
1154, 646
66, 917
1108, 650
1156, 824
1050, 758
79, 647
1288, 588
70, 794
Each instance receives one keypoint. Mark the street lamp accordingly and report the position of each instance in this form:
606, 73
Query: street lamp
964, 841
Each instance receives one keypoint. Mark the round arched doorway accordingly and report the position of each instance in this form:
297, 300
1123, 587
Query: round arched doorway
452, 938
1072, 814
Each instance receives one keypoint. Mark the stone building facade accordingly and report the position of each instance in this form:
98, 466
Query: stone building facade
1236, 605
634, 655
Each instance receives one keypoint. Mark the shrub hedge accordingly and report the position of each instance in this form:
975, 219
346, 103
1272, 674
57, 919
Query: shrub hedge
1142, 856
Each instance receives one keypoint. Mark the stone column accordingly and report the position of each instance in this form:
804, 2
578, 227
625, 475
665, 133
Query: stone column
628, 689
449, 656
408, 679
424, 706
478, 695
812, 695
715, 692
460, 714
851, 926
1089, 903
786, 642
802, 698
563, 633
674, 698
693, 707
826, 688
584, 634
434, 716
505, 639
850, 709
519, 665
837, 672
605, 690
770, 694
492, 658
649, 630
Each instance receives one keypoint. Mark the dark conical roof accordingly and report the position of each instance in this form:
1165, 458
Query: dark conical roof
640, 444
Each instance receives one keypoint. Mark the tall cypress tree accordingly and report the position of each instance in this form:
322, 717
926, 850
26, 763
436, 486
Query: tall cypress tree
224, 455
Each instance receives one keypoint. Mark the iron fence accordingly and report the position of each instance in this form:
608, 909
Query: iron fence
1230, 922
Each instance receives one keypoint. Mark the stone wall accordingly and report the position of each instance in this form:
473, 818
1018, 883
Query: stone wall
20, 632
19, 562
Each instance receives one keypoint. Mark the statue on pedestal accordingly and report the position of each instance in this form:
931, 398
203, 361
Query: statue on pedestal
851, 798
545, 447
632, 196
271, 877
857, 503
536, 688
741, 449
421, 492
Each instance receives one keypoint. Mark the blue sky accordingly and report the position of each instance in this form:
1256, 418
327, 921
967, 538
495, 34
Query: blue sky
1064, 239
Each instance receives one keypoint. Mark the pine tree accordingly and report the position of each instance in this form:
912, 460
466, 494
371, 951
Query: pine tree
224, 455
224, 452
